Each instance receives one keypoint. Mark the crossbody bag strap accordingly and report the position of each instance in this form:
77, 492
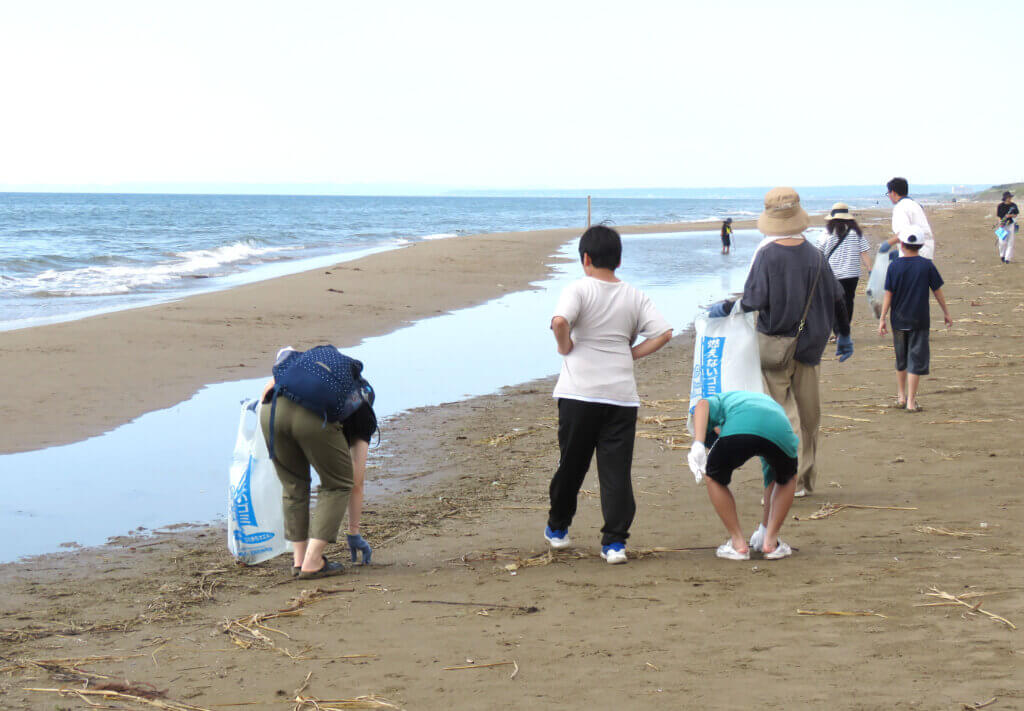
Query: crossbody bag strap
810, 298
833, 250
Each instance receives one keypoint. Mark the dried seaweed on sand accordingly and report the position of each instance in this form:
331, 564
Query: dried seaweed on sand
940, 531
842, 613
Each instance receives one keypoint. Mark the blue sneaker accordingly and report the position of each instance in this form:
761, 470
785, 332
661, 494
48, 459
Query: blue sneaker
558, 538
614, 553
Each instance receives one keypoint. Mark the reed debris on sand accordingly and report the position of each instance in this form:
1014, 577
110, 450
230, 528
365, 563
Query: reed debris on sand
828, 509
513, 663
312, 703
115, 695
940, 531
250, 632
949, 600
843, 613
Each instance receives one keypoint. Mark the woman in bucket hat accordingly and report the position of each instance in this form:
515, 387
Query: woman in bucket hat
788, 275
846, 250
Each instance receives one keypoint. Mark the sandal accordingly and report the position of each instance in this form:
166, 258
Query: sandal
326, 571
916, 408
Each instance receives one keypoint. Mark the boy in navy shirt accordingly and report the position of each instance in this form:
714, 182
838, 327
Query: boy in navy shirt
906, 292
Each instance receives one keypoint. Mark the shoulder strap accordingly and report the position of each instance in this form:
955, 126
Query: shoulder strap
839, 242
810, 298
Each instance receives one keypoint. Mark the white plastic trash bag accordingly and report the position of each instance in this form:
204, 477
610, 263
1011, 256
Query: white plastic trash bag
255, 515
725, 357
876, 282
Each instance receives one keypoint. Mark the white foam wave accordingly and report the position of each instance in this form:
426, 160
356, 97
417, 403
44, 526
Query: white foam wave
440, 235
108, 280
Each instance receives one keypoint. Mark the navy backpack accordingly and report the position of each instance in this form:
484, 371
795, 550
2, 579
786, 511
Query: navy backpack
324, 381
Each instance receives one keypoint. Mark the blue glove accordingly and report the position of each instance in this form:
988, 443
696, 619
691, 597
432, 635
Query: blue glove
884, 247
844, 347
720, 309
358, 543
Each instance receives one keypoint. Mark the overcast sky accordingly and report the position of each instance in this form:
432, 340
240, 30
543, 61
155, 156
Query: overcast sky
104, 94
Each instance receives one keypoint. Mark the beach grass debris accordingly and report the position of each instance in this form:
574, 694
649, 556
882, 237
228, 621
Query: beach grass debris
528, 609
828, 509
843, 613
250, 632
507, 437
845, 417
513, 663
115, 695
940, 531
964, 600
968, 706
660, 420
71, 663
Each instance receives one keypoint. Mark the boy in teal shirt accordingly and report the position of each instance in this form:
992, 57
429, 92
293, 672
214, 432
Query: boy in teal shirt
729, 429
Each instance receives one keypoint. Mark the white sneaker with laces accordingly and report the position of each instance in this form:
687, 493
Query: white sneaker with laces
800, 493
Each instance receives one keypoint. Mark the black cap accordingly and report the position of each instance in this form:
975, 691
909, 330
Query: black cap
1007, 194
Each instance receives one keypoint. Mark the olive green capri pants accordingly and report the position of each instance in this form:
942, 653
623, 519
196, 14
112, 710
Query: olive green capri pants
302, 439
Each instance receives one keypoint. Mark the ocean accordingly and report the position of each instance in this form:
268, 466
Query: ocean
66, 256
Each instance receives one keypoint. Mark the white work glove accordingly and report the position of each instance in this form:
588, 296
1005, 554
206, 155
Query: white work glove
698, 461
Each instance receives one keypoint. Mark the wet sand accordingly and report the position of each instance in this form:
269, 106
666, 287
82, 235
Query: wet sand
675, 628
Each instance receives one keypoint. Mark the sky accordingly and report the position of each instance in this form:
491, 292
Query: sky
413, 97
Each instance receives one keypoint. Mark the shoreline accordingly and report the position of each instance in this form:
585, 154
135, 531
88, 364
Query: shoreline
123, 364
126, 363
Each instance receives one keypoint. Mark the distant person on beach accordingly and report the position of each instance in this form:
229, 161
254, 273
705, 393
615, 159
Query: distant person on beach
1007, 213
729, 429
596, 322
846, 250
338, 452
726, 235
906, 292
907, 214
799, 303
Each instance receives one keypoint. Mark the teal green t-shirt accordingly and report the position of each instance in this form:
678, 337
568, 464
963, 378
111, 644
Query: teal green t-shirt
741, 412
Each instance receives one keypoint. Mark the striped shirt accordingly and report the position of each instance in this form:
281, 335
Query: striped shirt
845, 261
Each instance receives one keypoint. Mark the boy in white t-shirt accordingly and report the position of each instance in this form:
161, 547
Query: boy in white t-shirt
596, 322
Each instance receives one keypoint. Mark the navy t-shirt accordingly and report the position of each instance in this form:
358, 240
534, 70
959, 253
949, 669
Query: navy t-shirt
909, 279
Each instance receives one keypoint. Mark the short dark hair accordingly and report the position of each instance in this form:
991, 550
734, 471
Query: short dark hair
915, 248
604, 246
898, 186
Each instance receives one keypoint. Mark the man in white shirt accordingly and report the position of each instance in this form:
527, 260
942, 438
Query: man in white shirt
907, 216
596, 322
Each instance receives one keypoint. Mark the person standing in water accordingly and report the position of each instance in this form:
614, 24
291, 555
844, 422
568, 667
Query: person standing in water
726, 235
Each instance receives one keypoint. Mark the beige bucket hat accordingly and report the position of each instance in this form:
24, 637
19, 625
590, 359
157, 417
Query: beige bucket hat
782, 214
840, 211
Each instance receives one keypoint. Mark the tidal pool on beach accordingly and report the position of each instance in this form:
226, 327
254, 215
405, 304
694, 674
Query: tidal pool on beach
170, 466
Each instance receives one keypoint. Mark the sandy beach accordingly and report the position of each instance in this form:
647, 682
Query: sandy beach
906, 590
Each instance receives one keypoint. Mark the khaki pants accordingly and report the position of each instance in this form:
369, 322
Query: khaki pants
302, 439
796, 389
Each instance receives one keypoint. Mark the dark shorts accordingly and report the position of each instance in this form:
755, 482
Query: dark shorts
912, 351
726, 242
730, 453
361, 424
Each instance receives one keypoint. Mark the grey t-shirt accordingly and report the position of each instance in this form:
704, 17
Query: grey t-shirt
777, 287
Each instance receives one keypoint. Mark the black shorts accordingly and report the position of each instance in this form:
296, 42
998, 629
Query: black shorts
361, 424
912, 351
726, 242
732, 451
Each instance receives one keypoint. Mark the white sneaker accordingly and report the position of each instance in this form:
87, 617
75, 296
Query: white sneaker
757, 538
728, 552
557, 539
800, 493
614, 553
781, 551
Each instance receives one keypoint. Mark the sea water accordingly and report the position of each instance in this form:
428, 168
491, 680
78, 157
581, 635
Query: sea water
66, 256
171, 466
